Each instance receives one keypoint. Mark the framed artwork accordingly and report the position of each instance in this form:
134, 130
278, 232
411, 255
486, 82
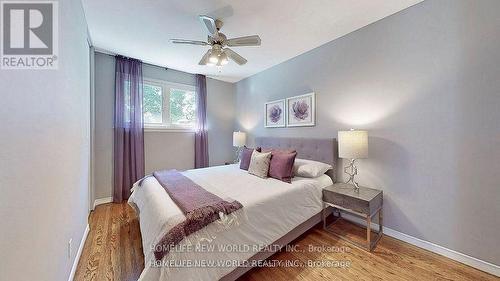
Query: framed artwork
301, 110
275, 114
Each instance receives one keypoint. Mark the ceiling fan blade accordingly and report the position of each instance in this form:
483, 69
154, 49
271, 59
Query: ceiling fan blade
253, 40
209, 23
204, 59
190, 42
234, 56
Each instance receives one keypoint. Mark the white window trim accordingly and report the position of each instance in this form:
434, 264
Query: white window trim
165, 88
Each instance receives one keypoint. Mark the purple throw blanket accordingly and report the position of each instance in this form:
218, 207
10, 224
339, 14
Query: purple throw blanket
199, 206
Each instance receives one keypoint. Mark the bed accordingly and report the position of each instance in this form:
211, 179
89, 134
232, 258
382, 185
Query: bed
274, 214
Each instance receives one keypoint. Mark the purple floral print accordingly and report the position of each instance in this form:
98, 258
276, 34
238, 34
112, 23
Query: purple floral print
275, 113
300, 110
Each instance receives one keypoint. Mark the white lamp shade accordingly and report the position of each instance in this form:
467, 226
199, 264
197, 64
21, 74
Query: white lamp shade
239, 139
353, 144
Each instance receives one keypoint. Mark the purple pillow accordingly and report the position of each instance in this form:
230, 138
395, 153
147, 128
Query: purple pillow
245, 156
274, 151
281, 167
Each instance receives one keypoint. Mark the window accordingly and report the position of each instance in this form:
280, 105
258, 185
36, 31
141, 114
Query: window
152, 105
168, 105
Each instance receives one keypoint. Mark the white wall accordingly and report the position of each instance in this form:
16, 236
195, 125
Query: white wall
163, 150
44, 158
425, 83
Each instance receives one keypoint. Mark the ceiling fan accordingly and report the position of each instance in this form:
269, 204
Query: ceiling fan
219, 52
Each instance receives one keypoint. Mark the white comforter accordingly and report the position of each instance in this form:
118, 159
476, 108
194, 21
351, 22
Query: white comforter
271, 209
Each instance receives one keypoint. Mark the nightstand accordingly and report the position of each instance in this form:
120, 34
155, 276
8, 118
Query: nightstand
366, 203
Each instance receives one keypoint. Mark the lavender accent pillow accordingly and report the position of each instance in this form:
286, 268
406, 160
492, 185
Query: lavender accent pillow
274, 151
245, 156
281, 166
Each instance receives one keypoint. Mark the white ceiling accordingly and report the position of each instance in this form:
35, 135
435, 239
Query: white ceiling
142, 28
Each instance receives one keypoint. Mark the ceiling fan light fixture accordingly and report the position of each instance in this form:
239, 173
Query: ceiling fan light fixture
214, 56
213, 59
223, 58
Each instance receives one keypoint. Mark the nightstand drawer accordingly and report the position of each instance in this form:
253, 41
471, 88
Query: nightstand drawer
347, 202
365, 201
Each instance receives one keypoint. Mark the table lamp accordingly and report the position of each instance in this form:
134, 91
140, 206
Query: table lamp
239, 140
353, 145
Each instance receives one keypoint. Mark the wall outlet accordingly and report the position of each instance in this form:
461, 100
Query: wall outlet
69, 247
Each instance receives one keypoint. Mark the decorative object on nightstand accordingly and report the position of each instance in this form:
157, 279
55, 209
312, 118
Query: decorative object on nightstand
365, 203
239, 140
353, 145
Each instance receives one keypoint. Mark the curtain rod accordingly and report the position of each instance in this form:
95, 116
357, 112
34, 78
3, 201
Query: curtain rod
108, 53
112, 54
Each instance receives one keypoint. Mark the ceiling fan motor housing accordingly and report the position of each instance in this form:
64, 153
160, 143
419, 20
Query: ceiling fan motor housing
218, 24
219, 39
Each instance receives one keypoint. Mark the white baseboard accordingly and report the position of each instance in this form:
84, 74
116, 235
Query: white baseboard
104, 200
79, 253
429, 246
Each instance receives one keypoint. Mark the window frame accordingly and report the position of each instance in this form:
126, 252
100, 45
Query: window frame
166, 125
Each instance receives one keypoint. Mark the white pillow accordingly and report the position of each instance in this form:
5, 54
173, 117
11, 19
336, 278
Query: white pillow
309, 168
259, 164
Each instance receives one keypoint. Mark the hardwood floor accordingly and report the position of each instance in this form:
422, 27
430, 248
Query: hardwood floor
113, 251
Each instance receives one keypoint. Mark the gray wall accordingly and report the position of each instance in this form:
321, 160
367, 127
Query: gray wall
44, 158
163, 150
220, 120
425, 82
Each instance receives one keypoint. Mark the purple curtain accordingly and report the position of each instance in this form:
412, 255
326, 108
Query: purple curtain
201, 134
129, 127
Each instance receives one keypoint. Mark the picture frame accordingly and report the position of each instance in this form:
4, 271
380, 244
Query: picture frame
301, 110
275, 114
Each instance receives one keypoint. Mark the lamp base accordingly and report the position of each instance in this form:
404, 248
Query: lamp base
352, 171
237, 156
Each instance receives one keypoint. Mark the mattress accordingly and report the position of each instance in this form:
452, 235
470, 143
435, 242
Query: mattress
271, 208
